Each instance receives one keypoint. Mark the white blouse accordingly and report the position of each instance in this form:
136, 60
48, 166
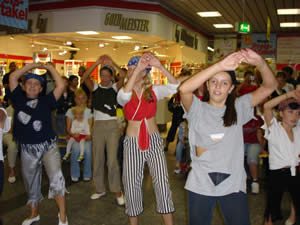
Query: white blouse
283, 152
3, 130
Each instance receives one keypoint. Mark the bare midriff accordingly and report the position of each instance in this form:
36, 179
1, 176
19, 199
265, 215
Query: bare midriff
133, 127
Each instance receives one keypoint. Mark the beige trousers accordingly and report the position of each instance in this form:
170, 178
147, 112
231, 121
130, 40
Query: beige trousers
106, 135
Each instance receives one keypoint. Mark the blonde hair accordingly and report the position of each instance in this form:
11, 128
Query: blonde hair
75, 109
79, 92
147, 94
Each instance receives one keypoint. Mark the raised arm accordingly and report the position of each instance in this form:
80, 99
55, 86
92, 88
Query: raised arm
269, 81
59, 82
270, 105
153, 61
85, 77
142, 65
122, 73
16, 75
229, 63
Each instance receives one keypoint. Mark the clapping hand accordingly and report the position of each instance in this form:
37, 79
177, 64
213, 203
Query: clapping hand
232, 61
294, 94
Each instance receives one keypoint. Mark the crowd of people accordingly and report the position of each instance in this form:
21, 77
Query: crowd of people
221, 123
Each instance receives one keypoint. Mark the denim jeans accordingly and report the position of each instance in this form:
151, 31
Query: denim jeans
87, 162
234, 208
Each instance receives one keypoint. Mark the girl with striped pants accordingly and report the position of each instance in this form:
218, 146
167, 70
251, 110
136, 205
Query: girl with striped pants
143, 143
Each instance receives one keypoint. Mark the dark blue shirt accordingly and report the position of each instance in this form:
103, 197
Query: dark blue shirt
32, 117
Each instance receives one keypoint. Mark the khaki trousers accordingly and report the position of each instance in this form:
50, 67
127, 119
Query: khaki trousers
106, 134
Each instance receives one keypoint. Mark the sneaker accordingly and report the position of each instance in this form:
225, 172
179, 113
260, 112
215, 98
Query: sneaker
97, 195
31, 221
255, 187
66, 156
86, 178
74, 179
177, 170
12, 179
80, 158
121, 200
288, 222
61, 223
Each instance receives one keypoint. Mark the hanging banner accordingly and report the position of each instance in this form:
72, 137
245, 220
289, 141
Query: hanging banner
260, 44
14, 13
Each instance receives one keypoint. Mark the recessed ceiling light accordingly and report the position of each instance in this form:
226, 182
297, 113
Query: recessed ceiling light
68, 43
136, 48
290, 24
288, 11
209, 14
45, 49
223, 26
87, 32
101, 45
121, 37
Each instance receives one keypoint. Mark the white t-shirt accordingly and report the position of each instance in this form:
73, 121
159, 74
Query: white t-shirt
98, 115
282, 151
80, 127
5, 129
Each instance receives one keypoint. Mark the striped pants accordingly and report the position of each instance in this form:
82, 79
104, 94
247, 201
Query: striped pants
133, 174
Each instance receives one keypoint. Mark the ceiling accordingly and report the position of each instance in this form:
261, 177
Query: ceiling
254, 12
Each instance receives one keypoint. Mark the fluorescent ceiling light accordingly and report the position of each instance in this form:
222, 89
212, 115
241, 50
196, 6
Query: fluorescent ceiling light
121, 37
68, 43
288, 11
101, 45
87, 32
210, 49
209, 14
223, 26
290, 24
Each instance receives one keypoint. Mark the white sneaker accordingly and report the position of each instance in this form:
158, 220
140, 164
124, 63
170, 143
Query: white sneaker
255, 187
288, 222
177, 171
97, 195
61, 223
12, 179
121, 200
74, 179
31, 221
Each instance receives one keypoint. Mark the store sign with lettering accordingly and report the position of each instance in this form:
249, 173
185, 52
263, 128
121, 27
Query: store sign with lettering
125, 23
14, 13
260, 44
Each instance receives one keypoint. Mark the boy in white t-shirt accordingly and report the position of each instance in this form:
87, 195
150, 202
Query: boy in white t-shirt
80, 128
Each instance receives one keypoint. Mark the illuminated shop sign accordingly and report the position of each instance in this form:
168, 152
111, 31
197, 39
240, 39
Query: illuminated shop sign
14, 13
125, 23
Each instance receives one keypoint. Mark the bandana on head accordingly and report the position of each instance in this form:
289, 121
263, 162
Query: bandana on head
134, 61
290, 103
34, 76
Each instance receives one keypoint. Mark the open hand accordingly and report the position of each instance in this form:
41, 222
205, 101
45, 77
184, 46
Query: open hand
251, 57
144, 62
154, 61
294, 94
231, 62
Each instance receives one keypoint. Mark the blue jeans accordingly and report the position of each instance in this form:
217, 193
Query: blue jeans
252, 151
87, 162
234, 208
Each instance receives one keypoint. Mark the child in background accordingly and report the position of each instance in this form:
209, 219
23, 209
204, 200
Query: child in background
284, 142
4, 127
79, 130
181, 146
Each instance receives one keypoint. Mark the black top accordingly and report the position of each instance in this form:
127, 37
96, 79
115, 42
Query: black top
32, 117
105, 100
85, 89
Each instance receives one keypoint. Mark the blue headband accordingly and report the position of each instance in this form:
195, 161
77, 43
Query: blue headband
134, 61
34, 76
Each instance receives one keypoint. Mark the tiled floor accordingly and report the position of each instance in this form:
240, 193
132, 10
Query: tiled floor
83, 211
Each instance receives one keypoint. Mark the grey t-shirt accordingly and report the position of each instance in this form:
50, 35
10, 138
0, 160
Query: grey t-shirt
220, 170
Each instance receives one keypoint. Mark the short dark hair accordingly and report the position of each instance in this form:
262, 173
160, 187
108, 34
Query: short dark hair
281, 75
248, 72
288, 70
72, 77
